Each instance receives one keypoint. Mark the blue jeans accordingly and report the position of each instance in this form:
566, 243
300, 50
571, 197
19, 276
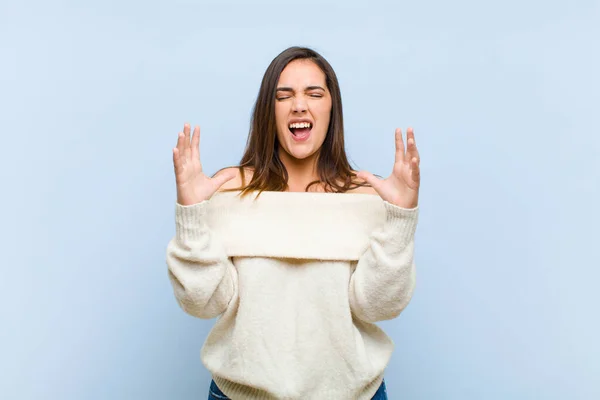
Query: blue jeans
216, 394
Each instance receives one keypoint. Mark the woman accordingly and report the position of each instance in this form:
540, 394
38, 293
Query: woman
296, 252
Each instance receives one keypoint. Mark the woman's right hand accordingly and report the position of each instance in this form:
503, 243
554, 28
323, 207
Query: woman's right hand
192, 185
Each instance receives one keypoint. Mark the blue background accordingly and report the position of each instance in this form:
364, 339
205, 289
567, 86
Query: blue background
504, 99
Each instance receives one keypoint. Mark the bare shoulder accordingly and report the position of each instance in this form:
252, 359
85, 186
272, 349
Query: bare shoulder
362, 190
236, 182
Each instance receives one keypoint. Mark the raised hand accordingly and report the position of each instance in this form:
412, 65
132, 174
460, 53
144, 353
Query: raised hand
192, 185
401, 188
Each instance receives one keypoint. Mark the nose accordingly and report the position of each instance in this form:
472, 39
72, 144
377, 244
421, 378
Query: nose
299, 105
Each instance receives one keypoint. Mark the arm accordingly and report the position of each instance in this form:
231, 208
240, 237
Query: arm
204, 279
384, 279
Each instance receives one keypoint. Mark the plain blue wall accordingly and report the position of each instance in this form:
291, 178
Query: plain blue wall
504, 99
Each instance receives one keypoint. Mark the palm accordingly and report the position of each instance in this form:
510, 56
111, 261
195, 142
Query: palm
193, 186
401, 188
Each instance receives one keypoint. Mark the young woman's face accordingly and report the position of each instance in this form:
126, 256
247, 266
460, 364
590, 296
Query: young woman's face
302, 109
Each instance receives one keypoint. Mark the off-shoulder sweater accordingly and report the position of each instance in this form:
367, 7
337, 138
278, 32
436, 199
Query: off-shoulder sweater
297, 281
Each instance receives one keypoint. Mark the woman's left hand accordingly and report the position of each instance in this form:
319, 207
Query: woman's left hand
401, 188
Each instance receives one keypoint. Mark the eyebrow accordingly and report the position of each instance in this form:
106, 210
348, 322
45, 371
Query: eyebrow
289, 89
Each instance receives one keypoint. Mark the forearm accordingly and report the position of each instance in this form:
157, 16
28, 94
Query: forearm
203, 278
384, 279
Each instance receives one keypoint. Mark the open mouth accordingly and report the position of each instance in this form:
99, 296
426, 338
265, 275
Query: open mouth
300, 130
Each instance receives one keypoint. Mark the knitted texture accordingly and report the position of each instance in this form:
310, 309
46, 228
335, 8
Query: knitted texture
298, 281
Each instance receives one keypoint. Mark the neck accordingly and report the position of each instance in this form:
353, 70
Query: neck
300, 172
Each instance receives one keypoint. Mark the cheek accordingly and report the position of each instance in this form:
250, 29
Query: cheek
280, 119
281, 113
324, 115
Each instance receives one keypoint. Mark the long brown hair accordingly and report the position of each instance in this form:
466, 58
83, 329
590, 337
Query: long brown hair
262, 148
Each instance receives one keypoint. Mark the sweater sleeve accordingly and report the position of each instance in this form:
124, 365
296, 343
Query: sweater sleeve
383, 281
204, 279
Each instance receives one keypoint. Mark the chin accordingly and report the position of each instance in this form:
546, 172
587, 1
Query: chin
299, 155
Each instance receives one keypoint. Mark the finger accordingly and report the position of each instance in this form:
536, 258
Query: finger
411, 145
196, 145
176, 162
187, 148
399, 146
415, 170
371, 179
180, 147
221, 179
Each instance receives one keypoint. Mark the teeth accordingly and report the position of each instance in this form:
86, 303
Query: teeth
300, 125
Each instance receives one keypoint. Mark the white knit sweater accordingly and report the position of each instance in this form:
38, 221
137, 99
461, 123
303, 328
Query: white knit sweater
298, 280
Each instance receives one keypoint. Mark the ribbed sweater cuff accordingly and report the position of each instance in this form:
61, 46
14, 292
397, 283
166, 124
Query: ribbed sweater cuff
238, 391
189, 221
401, 221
